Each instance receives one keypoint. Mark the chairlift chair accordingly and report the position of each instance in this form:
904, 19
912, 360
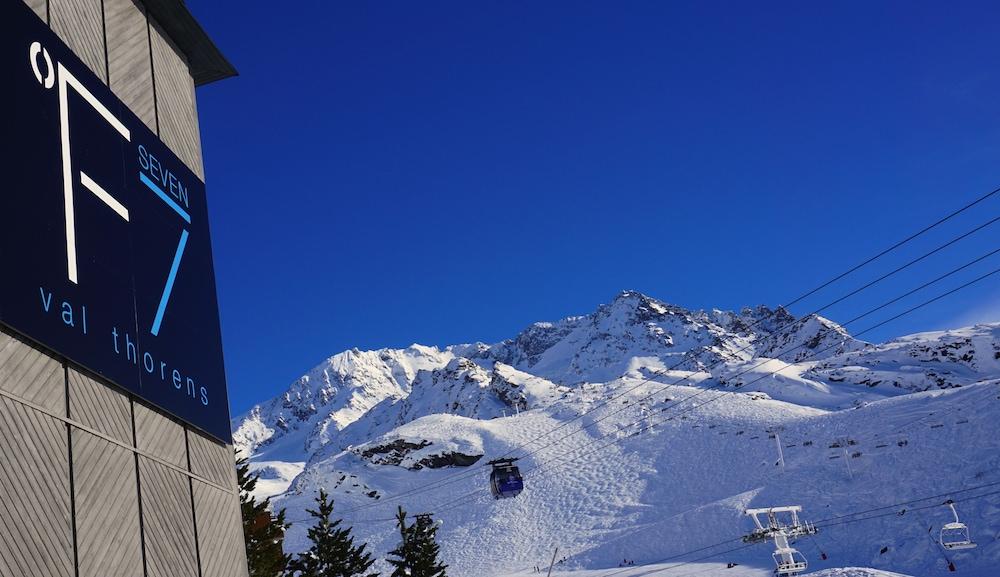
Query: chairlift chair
955, 535
505, 479
789, 561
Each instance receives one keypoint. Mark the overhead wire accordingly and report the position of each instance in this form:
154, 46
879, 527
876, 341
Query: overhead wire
853, 517
897, 245
897, 429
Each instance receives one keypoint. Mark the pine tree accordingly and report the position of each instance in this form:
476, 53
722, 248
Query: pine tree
417, 553
403, 557
263, 531
332, 553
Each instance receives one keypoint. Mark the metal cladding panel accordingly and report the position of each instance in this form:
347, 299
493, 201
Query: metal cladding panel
36, 535
160, 436
41, 7
81, 25
107, 508
168, 521
175, 101
130, 73
100, 407
32, 375
220, 534
212, 460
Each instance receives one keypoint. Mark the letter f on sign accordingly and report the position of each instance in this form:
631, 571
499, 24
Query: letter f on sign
67, 80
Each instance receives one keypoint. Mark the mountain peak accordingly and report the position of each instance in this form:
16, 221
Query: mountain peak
643, 304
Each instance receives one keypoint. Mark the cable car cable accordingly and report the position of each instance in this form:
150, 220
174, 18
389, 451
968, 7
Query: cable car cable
819, 524
837, 520
895, 246
823, 525
877, 436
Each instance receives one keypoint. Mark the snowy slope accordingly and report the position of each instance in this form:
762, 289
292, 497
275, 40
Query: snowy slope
921, 361
667, 468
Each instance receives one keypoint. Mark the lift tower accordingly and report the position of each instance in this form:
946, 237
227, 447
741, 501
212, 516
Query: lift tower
787, 559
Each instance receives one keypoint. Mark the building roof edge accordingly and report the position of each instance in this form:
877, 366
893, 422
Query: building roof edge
205, 60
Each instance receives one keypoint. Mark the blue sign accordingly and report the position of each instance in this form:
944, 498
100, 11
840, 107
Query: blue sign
104, 244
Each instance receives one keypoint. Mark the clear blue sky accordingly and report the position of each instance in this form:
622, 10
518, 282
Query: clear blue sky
383, 173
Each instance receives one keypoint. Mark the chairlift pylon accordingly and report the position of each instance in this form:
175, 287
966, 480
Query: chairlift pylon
955, 535
505, 479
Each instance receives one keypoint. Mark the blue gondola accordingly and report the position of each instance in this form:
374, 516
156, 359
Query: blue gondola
505, 479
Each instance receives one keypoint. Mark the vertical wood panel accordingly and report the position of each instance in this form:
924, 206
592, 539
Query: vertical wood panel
100, 407
168, 521
31, 375
220, 532
175, 101
129, 65
40, 7
160, 436
107, 508
35, 525
80, 25
212, 460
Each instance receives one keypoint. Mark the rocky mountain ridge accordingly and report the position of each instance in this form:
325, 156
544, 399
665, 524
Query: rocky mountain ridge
355, 396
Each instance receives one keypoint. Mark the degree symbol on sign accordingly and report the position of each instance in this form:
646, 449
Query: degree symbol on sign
49, 80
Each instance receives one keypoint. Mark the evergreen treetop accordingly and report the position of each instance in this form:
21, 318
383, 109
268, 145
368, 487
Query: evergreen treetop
332, 553
263, 532
417, 553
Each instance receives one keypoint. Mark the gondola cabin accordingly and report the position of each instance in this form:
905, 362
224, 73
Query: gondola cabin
505, 479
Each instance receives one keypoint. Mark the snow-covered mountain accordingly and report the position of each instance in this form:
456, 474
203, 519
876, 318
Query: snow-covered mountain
331, 396
677, 437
